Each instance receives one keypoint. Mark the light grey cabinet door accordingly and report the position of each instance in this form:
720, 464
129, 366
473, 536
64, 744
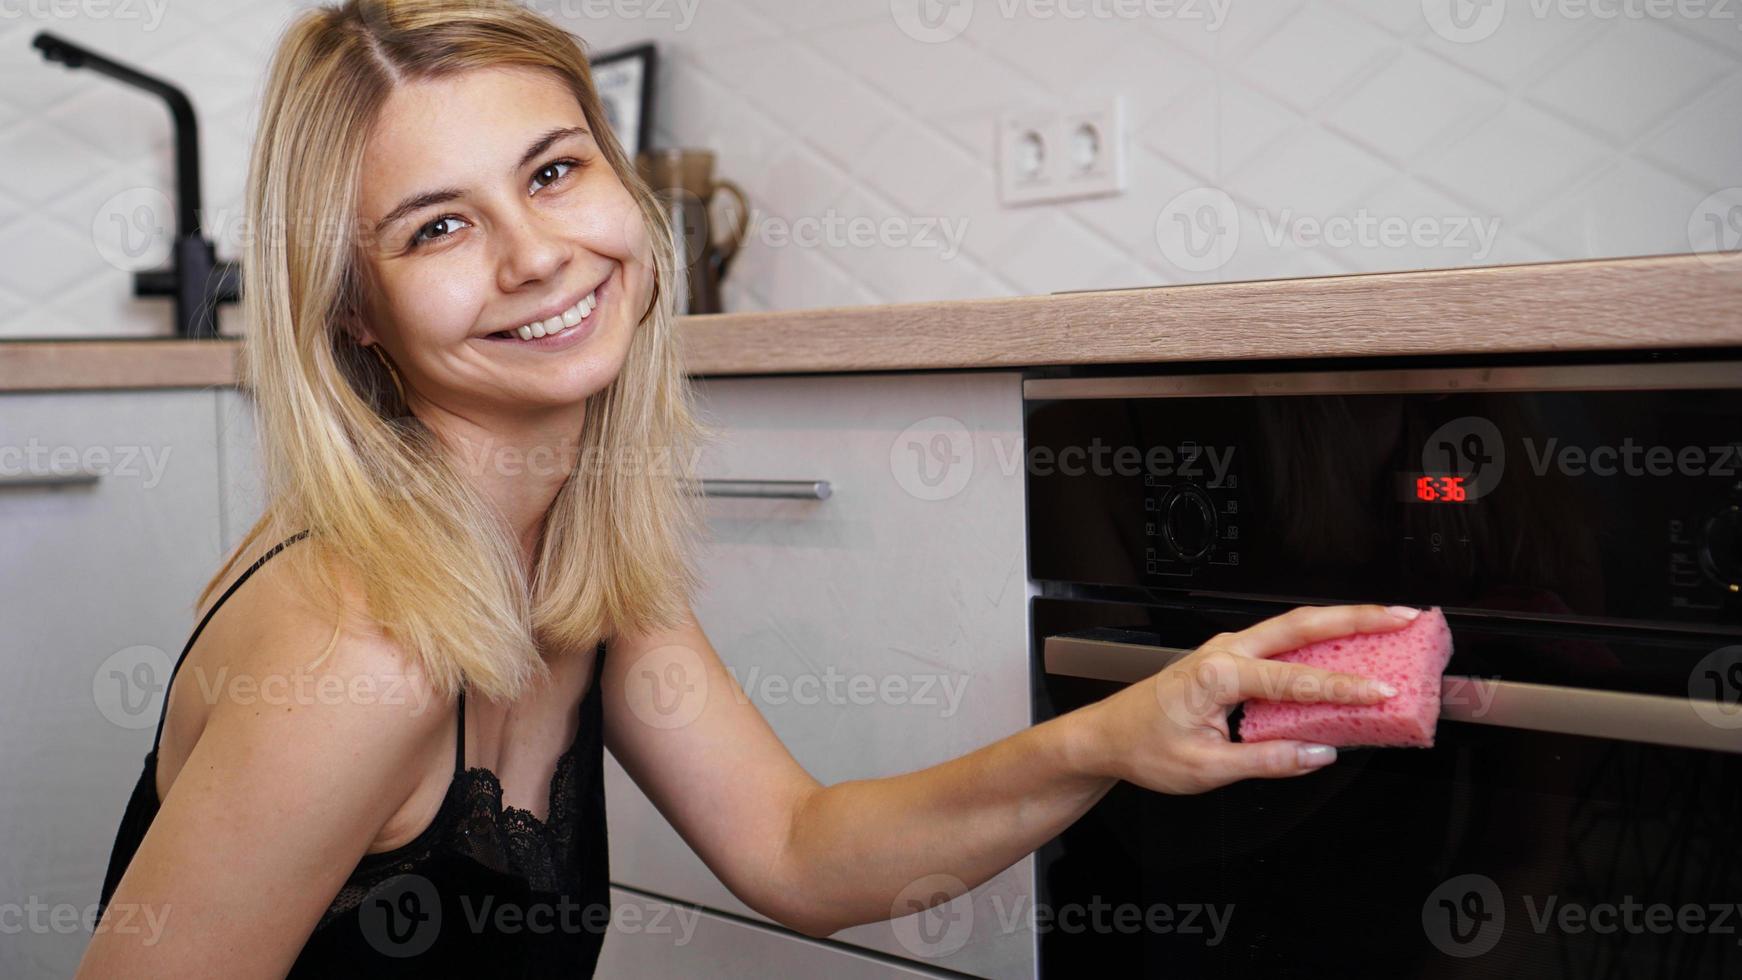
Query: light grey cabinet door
97, 584
880, 630
651, 938
242, 484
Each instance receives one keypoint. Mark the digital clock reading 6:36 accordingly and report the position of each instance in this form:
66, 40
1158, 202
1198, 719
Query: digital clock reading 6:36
1439, 489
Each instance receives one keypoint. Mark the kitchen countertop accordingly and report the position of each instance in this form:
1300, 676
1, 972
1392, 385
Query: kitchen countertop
1661, 302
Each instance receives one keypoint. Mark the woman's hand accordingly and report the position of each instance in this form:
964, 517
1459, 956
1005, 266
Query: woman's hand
1169, 732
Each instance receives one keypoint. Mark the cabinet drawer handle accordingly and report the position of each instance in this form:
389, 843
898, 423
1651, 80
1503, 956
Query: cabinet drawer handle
1098, 654
785, 489
81, 478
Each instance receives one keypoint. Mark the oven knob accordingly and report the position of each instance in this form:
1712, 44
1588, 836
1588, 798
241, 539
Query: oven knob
1721, 547
1189, 524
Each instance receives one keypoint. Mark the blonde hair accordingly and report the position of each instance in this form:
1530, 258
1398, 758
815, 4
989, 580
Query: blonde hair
439, 569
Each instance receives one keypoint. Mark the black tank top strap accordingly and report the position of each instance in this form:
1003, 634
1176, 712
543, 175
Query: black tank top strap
460, 738
162, 715
460, 726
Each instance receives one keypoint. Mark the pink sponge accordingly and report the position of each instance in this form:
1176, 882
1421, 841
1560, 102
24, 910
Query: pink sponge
1410, 659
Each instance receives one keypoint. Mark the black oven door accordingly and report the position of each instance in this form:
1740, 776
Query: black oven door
1505, 850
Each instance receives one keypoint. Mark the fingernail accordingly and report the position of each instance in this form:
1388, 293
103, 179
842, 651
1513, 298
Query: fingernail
1385, 689
1313, 756
1403, 612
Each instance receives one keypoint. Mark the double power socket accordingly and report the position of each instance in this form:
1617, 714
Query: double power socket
1046, 155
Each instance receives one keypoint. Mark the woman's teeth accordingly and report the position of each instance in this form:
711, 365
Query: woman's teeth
556, 324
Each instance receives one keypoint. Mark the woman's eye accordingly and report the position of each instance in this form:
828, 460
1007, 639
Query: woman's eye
547, 175
550, 169
418, 237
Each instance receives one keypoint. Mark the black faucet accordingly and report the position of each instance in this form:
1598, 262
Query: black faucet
195, 278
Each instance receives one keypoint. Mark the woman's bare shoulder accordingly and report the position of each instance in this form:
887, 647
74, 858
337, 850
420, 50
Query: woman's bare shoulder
297, 766
272, 644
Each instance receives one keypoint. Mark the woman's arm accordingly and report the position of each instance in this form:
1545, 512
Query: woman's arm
819, 859
280, 797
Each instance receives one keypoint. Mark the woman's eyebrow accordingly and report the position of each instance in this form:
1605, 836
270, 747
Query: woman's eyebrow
428, 198
544, 143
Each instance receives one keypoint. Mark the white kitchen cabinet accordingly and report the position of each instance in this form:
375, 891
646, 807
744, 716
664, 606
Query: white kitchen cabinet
242, 483
653, 938
99, 580
911, 575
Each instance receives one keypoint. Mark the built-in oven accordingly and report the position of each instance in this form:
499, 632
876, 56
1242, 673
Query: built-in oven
1580, 814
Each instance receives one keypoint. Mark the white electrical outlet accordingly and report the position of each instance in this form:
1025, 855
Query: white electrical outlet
1048, 156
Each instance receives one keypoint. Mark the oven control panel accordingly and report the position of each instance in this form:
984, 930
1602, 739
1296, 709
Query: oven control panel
1590, 492
1192, 514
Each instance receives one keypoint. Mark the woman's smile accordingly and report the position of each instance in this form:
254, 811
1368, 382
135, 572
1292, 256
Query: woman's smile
561, 330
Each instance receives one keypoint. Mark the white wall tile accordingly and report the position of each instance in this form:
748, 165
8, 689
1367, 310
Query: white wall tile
1582, 136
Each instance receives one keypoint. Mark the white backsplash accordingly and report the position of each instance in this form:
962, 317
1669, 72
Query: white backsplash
1530, 130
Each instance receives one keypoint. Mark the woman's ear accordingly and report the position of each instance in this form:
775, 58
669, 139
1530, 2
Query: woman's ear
352, 324
350, 317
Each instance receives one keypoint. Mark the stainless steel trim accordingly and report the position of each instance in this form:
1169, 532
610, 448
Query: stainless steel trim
1106, 660
1629, 717
1577, 377
20, 480
1580, 711
769, 489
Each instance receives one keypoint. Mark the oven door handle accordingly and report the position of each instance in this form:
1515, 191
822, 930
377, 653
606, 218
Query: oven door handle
1100, 654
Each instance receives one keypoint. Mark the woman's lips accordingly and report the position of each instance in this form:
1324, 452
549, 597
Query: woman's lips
568, 336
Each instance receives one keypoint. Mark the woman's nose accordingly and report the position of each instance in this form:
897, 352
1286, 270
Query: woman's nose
531, 250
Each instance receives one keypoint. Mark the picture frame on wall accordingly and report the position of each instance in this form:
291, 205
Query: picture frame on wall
624, 79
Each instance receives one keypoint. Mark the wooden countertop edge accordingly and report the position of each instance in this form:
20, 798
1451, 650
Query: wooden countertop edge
1654, 302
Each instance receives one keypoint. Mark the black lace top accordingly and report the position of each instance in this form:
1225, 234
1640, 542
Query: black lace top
484, 887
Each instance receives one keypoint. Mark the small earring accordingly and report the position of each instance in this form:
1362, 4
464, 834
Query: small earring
390, 371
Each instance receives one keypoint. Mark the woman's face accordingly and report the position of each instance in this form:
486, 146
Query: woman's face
486, 205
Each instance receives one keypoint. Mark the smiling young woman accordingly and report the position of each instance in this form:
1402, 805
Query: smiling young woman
461, 328
473, 418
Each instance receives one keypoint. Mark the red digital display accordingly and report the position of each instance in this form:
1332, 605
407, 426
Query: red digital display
1441, 489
